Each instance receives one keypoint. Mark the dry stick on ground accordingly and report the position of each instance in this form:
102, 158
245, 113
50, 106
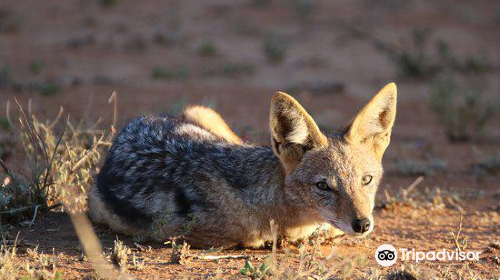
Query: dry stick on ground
84, 230
457, 236
114, 99
414, 184
212, 257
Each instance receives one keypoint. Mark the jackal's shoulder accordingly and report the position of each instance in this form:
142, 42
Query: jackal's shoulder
162, 130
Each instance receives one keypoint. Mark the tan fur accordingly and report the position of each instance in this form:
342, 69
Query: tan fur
211, 121
292, 128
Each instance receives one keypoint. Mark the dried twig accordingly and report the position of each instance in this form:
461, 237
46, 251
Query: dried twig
219, 257
457, 236
114, 99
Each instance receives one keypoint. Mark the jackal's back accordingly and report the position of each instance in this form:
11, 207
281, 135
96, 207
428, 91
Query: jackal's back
172, 176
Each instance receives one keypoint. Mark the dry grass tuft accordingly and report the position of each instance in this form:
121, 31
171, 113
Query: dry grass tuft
62, 161
459, 244
464, 112
180, 253
137, 263
41, 266
312, 263
120, 253
412, 197
406, 273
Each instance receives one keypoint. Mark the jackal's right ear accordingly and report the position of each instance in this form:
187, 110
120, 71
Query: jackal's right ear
293, 131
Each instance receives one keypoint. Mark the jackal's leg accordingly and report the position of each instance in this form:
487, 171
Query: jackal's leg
211, 121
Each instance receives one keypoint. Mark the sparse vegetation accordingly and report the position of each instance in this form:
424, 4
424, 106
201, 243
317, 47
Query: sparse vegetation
7, 144
261, 3
410, 272
10, 21
423, 58
463, 112
490, 164
48, 88
207, 49
410, 167
41, 266
107, 3
6, 79
36, 66
428, 198
120, 253
274, 48
4, 124
179, 72
304, 8
62, 165
460, 244
231, 69
253, 272
236, 69
137, 263
180, 253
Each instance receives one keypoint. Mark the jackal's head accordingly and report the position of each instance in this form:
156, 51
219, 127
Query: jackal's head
335, 177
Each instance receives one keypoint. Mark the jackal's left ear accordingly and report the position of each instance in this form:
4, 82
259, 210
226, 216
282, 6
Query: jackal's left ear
373, 124
293, 130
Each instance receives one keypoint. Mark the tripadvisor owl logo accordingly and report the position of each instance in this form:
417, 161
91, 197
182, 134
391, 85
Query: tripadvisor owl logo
386, 255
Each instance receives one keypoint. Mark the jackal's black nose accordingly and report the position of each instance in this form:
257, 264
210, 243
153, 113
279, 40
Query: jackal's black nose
361, 225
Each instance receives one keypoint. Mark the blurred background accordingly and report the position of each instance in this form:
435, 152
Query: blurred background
232, 55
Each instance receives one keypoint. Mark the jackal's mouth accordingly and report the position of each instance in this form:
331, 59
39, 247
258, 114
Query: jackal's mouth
339, 225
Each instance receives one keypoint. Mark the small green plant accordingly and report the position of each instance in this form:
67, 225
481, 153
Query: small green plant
303, 8
275, 49
415, 61
253, 272
6, 78
36, 66
107, 3
261, 3
207, 49
180, 72
4, 124
10, 22
463, 112
48, 88
230, 69
236, 69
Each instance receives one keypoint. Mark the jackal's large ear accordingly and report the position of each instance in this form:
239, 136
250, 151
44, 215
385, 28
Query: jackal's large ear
373, 124
293, 131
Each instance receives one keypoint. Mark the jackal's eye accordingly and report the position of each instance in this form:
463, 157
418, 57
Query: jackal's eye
323, 186
367, 179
